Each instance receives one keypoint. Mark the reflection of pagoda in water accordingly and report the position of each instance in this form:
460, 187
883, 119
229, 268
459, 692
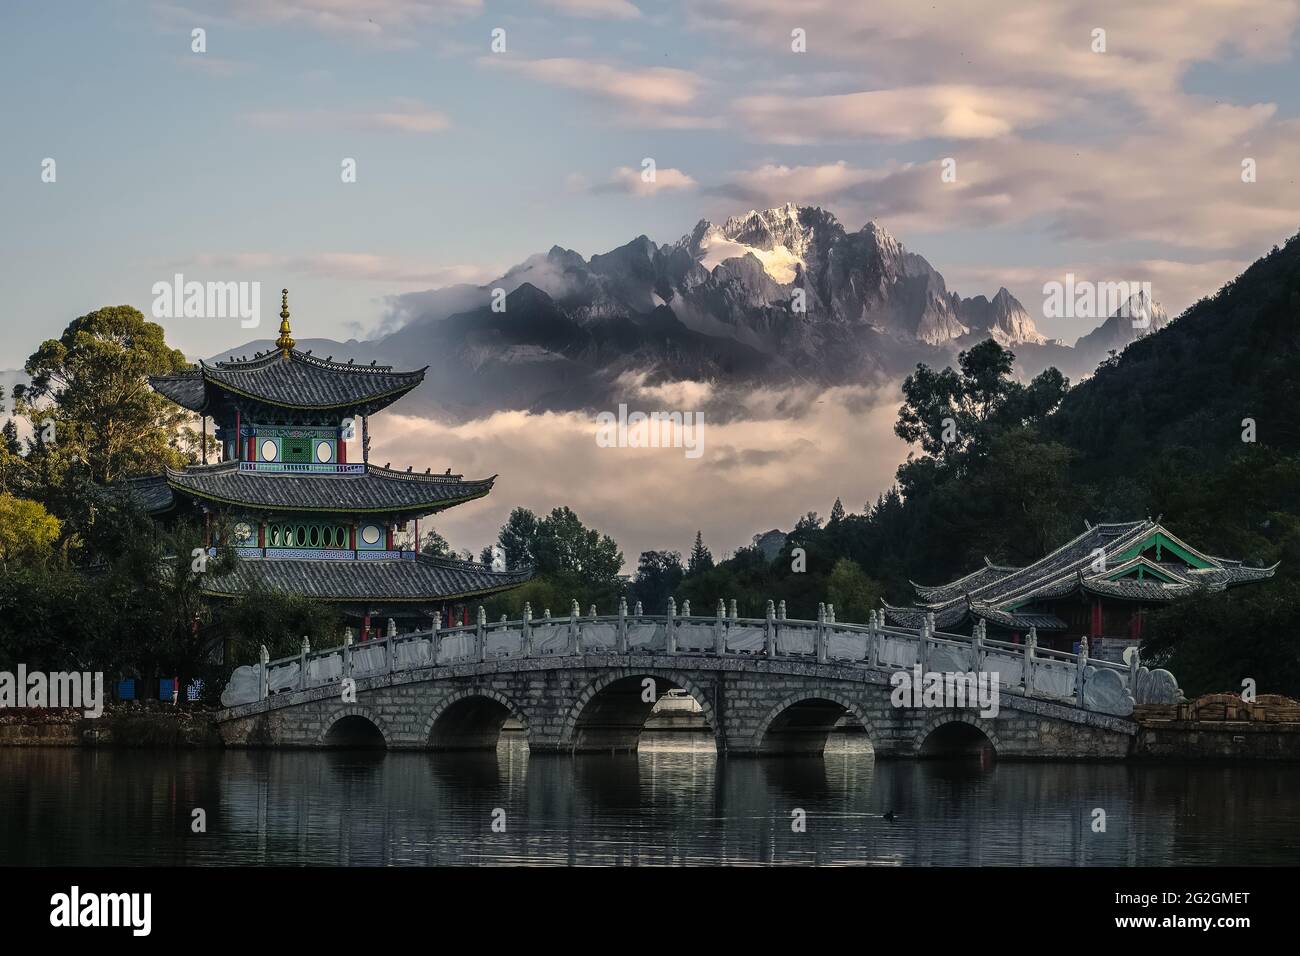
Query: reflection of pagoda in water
304, 518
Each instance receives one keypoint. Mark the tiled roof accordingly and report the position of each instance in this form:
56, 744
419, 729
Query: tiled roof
291, 379
375, 582
989, 593
376, 490
986, 575
152, 493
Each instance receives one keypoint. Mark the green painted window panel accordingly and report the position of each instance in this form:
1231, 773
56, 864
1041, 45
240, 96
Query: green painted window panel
297, 450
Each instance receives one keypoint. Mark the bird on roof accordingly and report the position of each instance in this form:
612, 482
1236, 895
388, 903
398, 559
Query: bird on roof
408, 469
387, 464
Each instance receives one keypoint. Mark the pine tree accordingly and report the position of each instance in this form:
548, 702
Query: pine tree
701, 559
837, 511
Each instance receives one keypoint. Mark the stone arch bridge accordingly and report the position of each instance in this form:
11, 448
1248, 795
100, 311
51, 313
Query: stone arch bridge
764, 686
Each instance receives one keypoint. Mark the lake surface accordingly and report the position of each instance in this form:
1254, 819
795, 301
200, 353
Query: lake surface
673, 803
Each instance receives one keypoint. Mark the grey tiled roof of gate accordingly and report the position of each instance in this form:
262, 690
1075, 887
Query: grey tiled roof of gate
397, 579
1064, 571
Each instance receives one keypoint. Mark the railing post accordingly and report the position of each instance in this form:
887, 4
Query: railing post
638, 611
870, 658
686, 608
264, 683
302, 662
923, 652
526, 626
670, 638
433, 638
1081, 669
1133, 664
480, 633
621, 640
830, 613
821, 633
720, 630
977, 646
575, 645
347, 653
1031, 641
733, 615
769, 630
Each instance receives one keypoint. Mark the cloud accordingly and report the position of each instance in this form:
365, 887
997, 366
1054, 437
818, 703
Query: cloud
386, 22
595, 9
625, 179
789, 464
365, 267
918, 112
410, 119
1179, 185
658, 86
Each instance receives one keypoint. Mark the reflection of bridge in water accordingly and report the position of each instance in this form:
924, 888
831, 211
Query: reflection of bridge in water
763, 685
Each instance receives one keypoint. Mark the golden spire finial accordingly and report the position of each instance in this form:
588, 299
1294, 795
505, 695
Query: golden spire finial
285, 342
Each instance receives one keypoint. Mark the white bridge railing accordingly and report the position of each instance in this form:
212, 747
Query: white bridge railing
1022, 669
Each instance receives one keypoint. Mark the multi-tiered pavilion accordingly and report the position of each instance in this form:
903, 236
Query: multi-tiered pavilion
304, 517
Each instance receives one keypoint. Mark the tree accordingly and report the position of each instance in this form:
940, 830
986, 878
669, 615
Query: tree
837, 512
701, 558
517, 538
27, 530
853, 593
435, 545
559, 543
89, 398
658, 575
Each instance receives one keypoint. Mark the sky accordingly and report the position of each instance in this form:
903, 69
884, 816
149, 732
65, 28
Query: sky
1116, 164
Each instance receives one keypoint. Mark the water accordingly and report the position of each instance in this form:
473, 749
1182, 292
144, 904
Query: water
674, 803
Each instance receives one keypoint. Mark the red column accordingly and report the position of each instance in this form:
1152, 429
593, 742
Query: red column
343, 449
365, 627
238, 442
1095, 630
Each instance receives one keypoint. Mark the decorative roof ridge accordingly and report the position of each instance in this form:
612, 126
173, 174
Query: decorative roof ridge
1161, 529
184, 375
426, 477
456, 563
1139, 559
269, 358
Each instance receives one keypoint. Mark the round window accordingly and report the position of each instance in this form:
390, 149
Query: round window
315, 536
269, 451
370, 534
243, 531
323, 452
300, 536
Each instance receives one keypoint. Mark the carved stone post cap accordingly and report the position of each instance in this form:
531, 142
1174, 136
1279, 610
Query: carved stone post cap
528, 611
437, 620
686, 608
732, 611
780, 611
591, 612
547, 613
672, 606
306, 644
264, 654
638, 608
722, 608
622, 605
573, 608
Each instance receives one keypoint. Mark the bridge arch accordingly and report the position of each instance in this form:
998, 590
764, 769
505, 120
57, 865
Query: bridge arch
354, 726
955, 734
609, 714
803, 721
471, 719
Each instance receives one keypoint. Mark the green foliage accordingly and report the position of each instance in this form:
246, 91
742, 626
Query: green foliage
89, 388
27, 530
701, 558
852, 592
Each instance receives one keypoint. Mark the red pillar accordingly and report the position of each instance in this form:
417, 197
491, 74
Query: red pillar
1095, 630
365, 627
239, 442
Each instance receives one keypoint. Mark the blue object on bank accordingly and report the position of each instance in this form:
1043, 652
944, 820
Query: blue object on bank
165, 688
126, 689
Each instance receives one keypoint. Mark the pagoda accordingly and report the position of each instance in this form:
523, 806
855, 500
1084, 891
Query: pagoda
303, 517
1100, 586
